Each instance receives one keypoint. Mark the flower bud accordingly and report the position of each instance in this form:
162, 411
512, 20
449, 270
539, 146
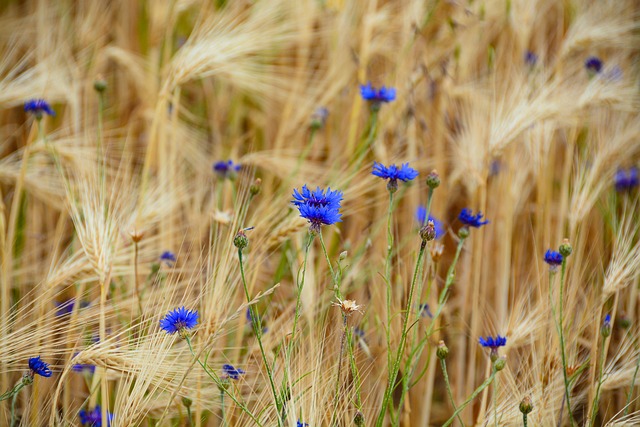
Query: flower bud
358, 419
436, 251
442, 351
256, 187
624, 321
605, 329
100, 85
565, 248
240, 241
463, 233
392, 185
428, 231
186, 402
433, 180
343, 256
500, 363
525, 405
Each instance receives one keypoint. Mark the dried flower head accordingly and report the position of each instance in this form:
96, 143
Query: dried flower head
347, 306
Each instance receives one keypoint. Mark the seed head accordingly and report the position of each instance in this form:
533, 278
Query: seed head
436, 251
428, 232
347, 306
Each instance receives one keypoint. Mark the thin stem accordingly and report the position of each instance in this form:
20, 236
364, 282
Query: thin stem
334, 278
475, 394
222, 414
443, 364
396, 365
524, 419
135, 275
337, 388
596, 398
256, 324
633, 382
387, 276
13, 408
562, 343
189, 416
451, 274
296, 314
495, 402
217, 381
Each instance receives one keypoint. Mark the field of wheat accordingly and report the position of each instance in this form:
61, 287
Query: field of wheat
319, 213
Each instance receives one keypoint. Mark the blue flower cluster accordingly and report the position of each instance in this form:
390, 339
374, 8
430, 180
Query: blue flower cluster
168, 258
226, 169
179, 320
626, 180
39, 366
593, 64
370, 93
553, 258
301, 424
38, 107
470, 220
231, 372
394, 173
318, 207
93, 418
493, 343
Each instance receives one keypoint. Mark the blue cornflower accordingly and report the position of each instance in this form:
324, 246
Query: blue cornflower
301, 424
605, 329
393, 173
37, 107
168, 258
226, 169
425, 311
66, 307
421, 217
530, 58
626, 180
493, 343
39, 366
79, 367
318, 207
93, 418
179, 320
553, 258
593, 64
231, 372
377, 96
469, 219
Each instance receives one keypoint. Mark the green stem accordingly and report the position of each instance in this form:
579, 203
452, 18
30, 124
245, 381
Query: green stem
524, 419
217, 381
337, 388
443, 364
562, 343
396, 365
475, 394
296, 314
387, 276
224, 420
334, 278
596, 398
442, 299
189, 416
256, 324
633, 382
354, 369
